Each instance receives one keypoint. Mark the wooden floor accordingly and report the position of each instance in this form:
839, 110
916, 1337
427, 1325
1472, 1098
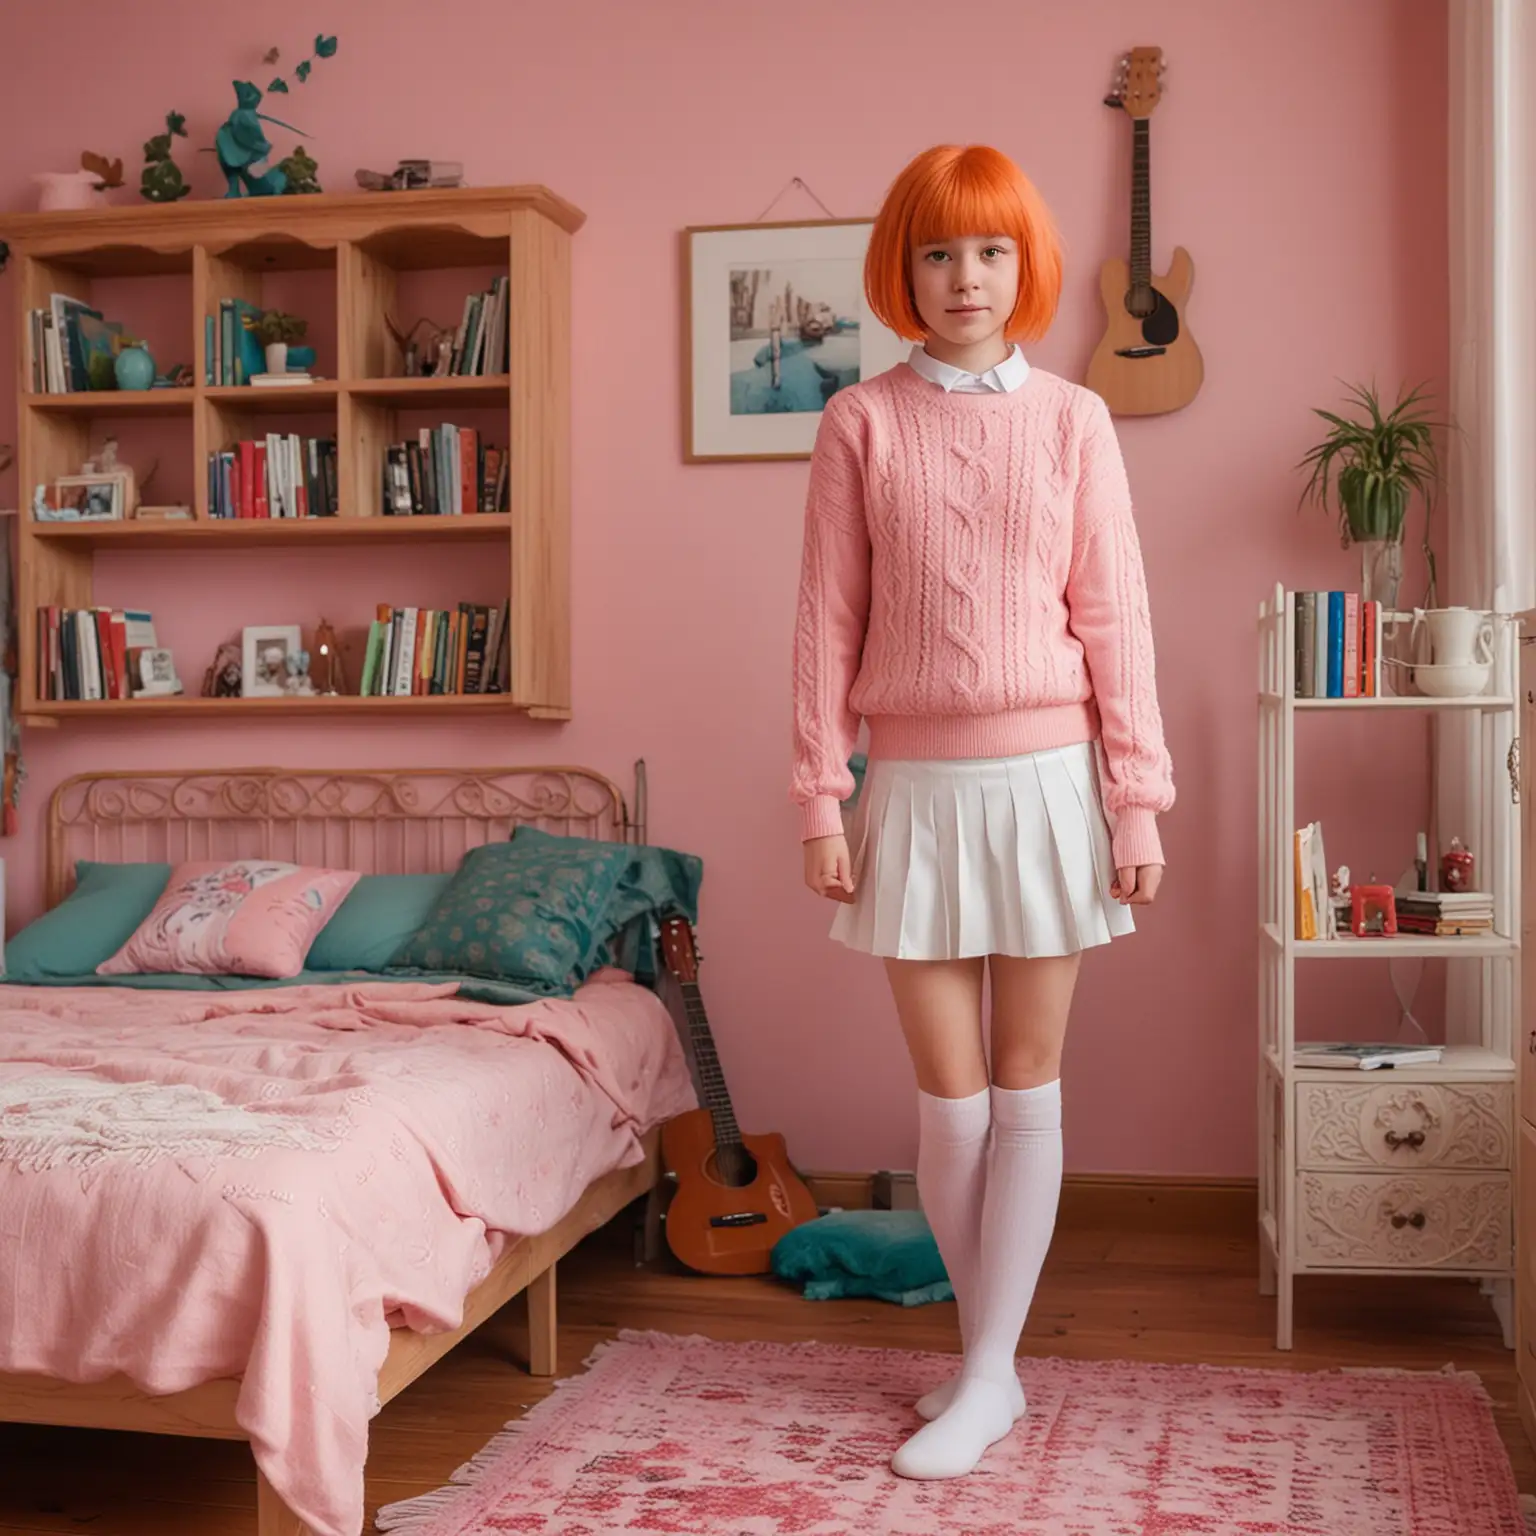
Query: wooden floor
1135, 1288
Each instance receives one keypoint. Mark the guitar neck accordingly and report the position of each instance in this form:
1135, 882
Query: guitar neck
1141, 204
717, 1098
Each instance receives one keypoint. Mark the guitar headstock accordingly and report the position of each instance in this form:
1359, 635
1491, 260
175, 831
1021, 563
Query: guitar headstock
678, 948
1138, 85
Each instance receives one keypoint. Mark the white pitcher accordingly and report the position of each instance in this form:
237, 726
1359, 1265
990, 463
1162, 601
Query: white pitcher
1458, 637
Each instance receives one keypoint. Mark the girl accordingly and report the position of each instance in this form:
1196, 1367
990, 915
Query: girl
972, 589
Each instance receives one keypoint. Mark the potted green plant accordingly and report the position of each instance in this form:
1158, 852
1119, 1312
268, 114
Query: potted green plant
1372, 467
276, 332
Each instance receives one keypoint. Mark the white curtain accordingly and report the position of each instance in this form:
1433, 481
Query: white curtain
1491, 459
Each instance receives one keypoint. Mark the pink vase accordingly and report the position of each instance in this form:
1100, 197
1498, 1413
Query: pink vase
62, 190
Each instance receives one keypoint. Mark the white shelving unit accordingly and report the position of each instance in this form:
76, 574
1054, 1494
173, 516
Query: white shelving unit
1407, 1170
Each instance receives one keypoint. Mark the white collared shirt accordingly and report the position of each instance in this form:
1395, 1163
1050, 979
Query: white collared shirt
1006, 377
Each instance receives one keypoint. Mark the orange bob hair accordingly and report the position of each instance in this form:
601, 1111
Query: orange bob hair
950, 191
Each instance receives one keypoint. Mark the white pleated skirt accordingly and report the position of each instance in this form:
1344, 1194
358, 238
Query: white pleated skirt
984, 856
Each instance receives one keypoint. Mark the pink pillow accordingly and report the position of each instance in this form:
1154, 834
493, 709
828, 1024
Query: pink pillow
250, 917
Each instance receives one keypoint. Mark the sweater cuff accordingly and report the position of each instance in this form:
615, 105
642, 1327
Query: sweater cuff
1135, 839
821, 816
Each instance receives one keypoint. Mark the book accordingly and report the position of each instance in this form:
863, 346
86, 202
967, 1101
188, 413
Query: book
1315, 915
1362, 1056
1306, 643
1350, 638
1335, 688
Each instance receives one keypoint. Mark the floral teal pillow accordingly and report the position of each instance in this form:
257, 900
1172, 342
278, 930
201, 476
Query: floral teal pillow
531, 910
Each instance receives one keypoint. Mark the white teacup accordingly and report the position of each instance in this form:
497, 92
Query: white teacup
1458, 637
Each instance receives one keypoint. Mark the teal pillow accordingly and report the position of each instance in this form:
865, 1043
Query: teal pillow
888, 1254
380, 914
531, 910
90, 925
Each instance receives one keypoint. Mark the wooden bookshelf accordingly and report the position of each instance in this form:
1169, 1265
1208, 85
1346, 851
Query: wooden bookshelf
364, 242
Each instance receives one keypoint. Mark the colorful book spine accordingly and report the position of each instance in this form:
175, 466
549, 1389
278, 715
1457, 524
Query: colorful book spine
1350, 672
1335, 659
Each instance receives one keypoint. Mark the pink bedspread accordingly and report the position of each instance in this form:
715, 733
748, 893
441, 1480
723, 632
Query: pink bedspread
195, 1186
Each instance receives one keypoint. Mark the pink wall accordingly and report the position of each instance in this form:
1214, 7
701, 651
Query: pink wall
1301, 159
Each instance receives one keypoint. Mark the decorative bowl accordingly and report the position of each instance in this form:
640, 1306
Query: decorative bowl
1458, 681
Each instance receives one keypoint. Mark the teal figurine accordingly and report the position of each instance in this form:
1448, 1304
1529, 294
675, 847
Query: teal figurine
242, 147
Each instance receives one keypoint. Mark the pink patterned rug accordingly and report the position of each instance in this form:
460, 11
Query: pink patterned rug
669, 1436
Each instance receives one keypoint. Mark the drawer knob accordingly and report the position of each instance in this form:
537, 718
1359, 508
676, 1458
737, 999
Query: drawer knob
1414, 1139
1415, 1220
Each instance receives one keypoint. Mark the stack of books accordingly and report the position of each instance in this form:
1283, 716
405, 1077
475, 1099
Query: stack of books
90, 653
1338, 646
231, 352
72, 347
446, 472
431, 650
1445, 913
280, 475
480, 343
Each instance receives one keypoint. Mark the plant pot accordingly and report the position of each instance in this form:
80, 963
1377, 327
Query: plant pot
277, 357
134, 368
60, 191
1381, 571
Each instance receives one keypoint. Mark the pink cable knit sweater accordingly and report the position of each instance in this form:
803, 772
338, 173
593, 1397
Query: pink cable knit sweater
972, 586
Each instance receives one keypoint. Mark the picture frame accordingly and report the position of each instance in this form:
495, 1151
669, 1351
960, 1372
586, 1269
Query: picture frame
258, 679
774, 323
93, 498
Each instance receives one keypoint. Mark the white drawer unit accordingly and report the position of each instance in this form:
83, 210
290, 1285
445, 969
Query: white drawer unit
1458, 1222
1368, 1122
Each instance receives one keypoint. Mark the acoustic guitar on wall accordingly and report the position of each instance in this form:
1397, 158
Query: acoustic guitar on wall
736, 1195
1147, 362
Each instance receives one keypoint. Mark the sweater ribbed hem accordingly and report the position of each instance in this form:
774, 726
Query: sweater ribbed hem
820, 816
1135, 840
1007, 733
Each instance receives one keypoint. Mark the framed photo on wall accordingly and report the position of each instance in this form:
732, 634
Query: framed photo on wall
775, 324
265, 649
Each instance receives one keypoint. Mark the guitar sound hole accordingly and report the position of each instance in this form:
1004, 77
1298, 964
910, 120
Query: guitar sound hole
733, 1167
1159, 319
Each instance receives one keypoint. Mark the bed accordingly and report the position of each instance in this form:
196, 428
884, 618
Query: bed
376, 822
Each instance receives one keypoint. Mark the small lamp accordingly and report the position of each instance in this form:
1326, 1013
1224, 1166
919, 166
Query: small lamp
330, 676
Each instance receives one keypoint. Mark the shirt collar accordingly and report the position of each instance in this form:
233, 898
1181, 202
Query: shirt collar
1006, 377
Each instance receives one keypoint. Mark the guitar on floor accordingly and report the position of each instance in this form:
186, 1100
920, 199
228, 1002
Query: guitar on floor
1147, 362
736, 1195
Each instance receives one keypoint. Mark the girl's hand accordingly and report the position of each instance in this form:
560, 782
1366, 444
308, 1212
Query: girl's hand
1136, 887
828, 868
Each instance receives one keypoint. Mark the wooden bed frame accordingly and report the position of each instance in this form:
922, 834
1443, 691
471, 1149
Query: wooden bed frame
394, 822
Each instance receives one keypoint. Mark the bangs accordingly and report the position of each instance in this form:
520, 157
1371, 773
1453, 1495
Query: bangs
949, 192
971, 196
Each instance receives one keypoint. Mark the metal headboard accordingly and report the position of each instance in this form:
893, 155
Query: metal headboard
376, 821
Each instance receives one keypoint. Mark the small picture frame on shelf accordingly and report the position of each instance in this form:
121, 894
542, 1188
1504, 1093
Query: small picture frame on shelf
90, 498
264, 653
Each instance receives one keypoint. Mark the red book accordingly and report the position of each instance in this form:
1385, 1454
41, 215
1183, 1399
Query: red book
261, 505
119, 648
1351, 645
469, 468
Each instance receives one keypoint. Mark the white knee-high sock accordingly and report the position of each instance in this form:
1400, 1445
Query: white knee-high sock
952, 1180
1018, 1219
